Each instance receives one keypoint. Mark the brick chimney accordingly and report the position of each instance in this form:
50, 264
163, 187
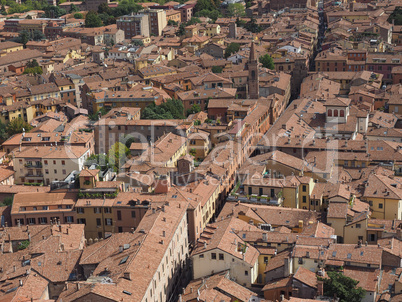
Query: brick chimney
161, 184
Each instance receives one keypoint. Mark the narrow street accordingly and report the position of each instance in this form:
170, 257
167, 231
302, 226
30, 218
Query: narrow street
321, 32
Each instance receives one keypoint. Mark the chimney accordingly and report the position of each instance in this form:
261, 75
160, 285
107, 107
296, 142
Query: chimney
320, 287
264, 237
121, 248
20, 282
162, 184
59, 228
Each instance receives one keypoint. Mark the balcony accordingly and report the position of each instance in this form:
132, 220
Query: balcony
33, 165
31, 175
277, 200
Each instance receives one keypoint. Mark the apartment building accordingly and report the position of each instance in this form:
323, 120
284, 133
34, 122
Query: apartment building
158, 249
35, 208
220, 249
157, 20
45, 164
134, 25
123, 123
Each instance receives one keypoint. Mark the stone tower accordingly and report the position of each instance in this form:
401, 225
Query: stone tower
233, 30
253, 81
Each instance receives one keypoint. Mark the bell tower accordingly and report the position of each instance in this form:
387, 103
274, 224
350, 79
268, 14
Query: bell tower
253, 80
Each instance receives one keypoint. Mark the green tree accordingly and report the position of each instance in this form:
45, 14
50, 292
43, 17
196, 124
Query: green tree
33, 70
3, 10
78, 16
343, 287
3, 132
204, 5
396, 16
236, 10
17, 125
194, 109
172, 23
193, 152
138, 43
24, 37
37, 35
171, 109
74, 8
54, 11
231, 49
8, 201
104, 8
32, 64
267, 61
93, 20
253, 26
118, 155
216, 69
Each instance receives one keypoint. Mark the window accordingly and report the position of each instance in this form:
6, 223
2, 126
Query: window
80, 210
98, 222
221, 257
380, 205
64, 171
108, 221
304, 199
118, 215
360, 238
31, 220
81, 221
335, 112
97, 210
54, 162
342, 113
245, 273
69, 219
329, 112
107, 210
201, 255
45, 162
132, 214
358, 225
42, 220
213, 256
55, 171
47, 171
63, 162
304, 188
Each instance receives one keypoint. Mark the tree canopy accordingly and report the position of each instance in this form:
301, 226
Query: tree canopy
118, 155
396, 16
78, 16
343, 287
194, 109
267, 61
171, 109
236, 10
17, 125
92, 19
231, 49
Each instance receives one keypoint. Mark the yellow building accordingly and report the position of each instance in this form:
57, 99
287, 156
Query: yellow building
88, 178
199, 144
96, 214
9, 46
384, 196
